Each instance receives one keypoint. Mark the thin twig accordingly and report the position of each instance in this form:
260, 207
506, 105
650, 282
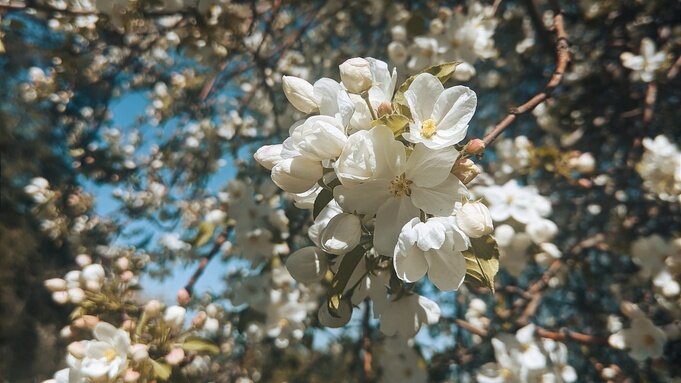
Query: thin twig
206, 259
562, 60
651, 96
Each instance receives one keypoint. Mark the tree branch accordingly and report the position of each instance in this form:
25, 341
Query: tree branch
189, 287
562, 61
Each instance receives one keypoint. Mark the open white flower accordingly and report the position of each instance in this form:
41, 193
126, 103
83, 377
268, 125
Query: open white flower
104, 358
440, 115
397, 193
406, 315
511, 200
645, 64
432, 247
644, 339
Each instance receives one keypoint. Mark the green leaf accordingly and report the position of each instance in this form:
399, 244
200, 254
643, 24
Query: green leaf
396, 122
442, 71
204, 234
340, 280
161, 370
197, 344
482, 262
323, 199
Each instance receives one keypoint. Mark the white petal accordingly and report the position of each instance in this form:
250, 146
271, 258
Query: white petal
431, 235
429, 310
453, 111
299, 93
446, 268
422, 94
409, 261
364, 198
296, 175
307, 265
390, 218
427, 168
441, 199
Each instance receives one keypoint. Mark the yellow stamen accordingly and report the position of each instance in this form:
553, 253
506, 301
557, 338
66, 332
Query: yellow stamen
110, 354
428, 128
400, 186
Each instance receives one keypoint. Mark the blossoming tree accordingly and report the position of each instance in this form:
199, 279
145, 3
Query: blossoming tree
215, 190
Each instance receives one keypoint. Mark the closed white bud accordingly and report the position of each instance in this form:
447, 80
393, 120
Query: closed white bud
319, 138
153, 308
94, 272
342, 234
300, 94
585, 163
55, 284
541, 230
139, 352
174, 316
296, 175
307, 265
268, 155
60, 297
474, 219
356, 75
76, 295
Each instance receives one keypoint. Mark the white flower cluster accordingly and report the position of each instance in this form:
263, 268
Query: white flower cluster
390, 199
72, 288
645, 64
452, 35
523, 358
660, 168
103, 359
522, 212
643, 339
659, 260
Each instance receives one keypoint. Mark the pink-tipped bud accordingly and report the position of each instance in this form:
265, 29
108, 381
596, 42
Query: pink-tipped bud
475, 147
183, 297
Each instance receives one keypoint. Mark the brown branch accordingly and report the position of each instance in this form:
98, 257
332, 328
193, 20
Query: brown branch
649, 107
367, 371
189, 287
471, 328
562, 61
674, 70
565, 335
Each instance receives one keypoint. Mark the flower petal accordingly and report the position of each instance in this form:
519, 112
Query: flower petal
446, 268
390, 219
427, 168
453, 111
409, 261
422, 94
441, 199
364, 198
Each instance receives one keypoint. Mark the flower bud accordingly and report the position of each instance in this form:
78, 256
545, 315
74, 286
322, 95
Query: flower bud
307, 265
300, 94
342, 234
175, 356
356, 75
585, 163
200, 319
127, 276
475, 146
139, 352
474, 219
153, 308
61, 297
465, 170
55, 284
183, 296
83, 260
77, 349
76, 295
296, 175
541, 230
384, 108
268, 155
174, 316
122, 263
131, 376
